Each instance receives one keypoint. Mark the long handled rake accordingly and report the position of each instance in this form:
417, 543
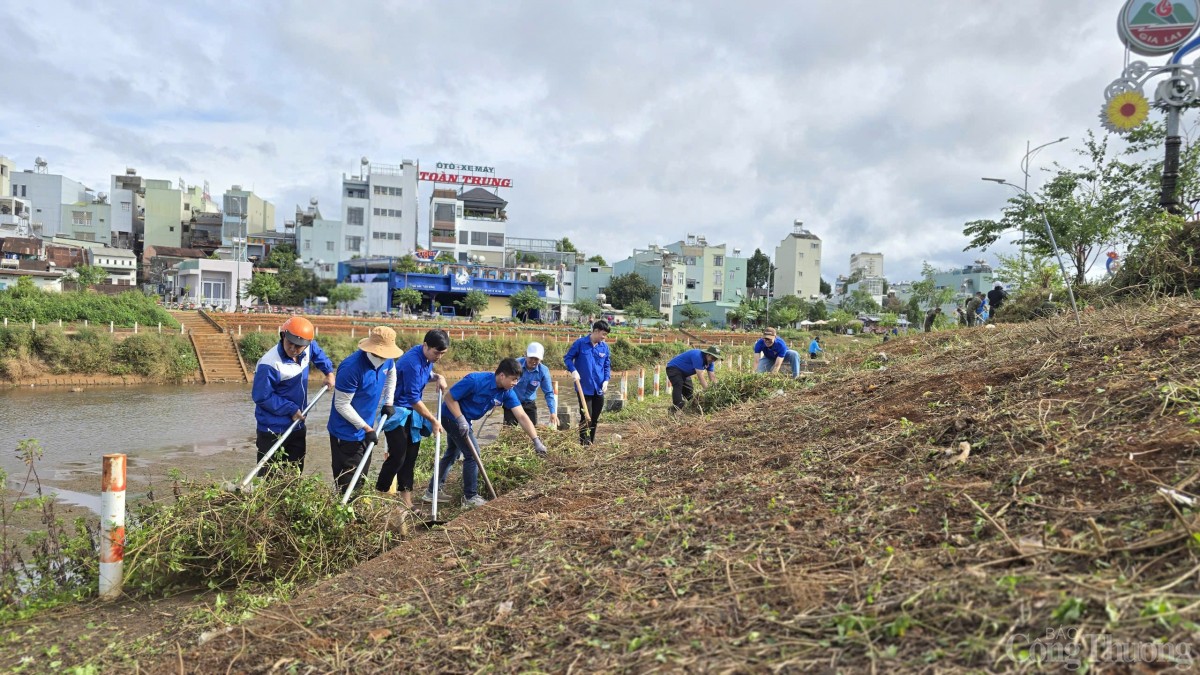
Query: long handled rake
362, 463
278, 443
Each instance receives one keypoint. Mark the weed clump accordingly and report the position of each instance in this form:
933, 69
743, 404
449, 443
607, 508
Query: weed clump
736, 388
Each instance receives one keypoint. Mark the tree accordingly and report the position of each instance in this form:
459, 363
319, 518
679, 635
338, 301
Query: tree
826, 289
598, 259
476, 301
407, 299
624, 289
525, 301
545, 279
893, 304
89, 276
565, 245
758, 270
296, 283
264, 287
692, 315
587, 307
408, 264
786, 311
445, 257
640, 309
817, 311
746, 313
1088, 209
860, 301
925, 292
344, 293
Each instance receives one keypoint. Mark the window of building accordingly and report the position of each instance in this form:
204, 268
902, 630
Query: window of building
495, 239
716, 295
378, 211
732, 274
329, 246
308, 247
443, 212
353, 243
718, 261
125, 207
717, 277
23, 190
354, 215
83, 218
395, 213
815, 245
479, 238
464, 237
664, 299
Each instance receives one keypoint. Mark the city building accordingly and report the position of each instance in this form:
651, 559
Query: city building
87, 220
217, 283
6, 171
14, 217
711, 274
158, 263
591, 279
469, 225
663, 269
379, 211
44, 279
163, 214
869, 264
715, 309
319, 242
127, 219
47, 193
245, 213
441, 285
798, 264
120, 263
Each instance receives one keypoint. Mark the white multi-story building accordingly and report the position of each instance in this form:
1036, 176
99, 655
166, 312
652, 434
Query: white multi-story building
245, 214
87, 220
469, 225
6, 170
870, 264
319, 242
798, 264
46, 192
379, 210
120, 263
662, 269
127, 195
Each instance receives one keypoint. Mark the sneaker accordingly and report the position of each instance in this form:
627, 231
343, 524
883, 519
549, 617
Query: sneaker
473, 502
428, 496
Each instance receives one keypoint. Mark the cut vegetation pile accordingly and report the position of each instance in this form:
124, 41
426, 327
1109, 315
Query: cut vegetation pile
945, 511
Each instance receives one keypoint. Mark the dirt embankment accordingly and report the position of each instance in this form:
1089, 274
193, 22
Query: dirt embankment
947, 511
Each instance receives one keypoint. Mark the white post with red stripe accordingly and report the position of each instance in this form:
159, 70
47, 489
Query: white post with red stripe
656, 380
642, 384
112, 526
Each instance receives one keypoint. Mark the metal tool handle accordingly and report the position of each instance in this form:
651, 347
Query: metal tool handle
363, 462
479, 463
437, 457
279, 443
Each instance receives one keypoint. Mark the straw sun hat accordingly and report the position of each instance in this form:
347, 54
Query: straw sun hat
381, 342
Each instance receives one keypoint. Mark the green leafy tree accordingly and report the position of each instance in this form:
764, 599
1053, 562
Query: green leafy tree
758, 270
624, 289
926, 293
893, 304
445, 257
786, 311
342, 294
598, 259
888, 319
296, 283
587, 308
826, 289
264, 287
526, 301
692, 315
565, 245
640, 310
860, 301
88, 276
545, 279
746, 313
408, 299
817, 311
407, 265
476, 301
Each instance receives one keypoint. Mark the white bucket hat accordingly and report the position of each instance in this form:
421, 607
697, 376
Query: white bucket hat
536, 351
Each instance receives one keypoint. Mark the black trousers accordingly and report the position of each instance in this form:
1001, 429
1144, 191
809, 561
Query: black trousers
681, 387
346, 456
530, 408
292, 450
587, 430
402, 458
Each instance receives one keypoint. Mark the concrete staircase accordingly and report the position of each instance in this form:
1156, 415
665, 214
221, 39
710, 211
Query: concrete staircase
216, 349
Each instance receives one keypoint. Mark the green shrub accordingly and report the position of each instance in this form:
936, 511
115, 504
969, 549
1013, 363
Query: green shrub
254, 345
26, 305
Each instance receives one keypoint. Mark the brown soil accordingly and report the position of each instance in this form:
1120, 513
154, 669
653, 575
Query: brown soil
839, 528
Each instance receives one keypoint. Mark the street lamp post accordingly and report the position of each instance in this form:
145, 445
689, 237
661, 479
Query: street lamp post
1053, 244
1025, 170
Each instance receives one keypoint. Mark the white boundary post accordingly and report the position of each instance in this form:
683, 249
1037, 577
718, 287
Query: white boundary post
112, 526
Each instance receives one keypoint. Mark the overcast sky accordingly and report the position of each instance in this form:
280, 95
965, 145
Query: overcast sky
621, 123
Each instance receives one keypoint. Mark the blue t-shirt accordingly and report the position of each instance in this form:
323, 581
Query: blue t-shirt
357, 376
412, 374
690, 361
477, 393
814, 347
532, 380
593, 363
777, 349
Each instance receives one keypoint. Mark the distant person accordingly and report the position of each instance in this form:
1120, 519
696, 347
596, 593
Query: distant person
814, 348
363, 379
972, 309
930, 317
408, 417
985, 310
771, 352
468, 400
698, 362
280, 391
996, 297
590, 364
534, 376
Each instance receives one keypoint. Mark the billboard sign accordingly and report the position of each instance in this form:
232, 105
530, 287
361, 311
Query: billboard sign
1152, 28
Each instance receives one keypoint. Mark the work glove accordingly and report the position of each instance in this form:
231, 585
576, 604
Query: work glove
389, 410
603, 388
539, 447
371, 437
463, 427
575, 375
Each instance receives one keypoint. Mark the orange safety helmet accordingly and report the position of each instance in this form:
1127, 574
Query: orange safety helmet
297, 330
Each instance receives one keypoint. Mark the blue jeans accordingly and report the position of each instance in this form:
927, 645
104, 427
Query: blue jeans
791, 358
456, 447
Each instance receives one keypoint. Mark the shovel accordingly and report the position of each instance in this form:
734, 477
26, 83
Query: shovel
479, 462
362, 463
278, 444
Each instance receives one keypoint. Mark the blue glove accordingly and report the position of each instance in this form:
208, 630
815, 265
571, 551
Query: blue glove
463, 427
539, 447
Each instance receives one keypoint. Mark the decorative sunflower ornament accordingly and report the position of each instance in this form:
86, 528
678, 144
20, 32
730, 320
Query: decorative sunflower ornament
1125, 111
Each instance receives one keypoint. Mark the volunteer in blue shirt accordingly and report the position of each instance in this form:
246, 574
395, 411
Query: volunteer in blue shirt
590, 365
814, 348
773, 351
534, 375
698, 362
363, 379
468, 400
409, 418
280, 391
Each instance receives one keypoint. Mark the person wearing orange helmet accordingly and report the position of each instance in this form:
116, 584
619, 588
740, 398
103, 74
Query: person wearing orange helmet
280, 390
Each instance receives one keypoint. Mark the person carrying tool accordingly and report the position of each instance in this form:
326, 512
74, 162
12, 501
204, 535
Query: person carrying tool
534, 375
468, 400
772, 351
280, 391
972, 309
408, 416
363, 379
590, 365
698, 362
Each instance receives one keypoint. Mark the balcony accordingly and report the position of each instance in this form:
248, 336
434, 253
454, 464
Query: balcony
443, 239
